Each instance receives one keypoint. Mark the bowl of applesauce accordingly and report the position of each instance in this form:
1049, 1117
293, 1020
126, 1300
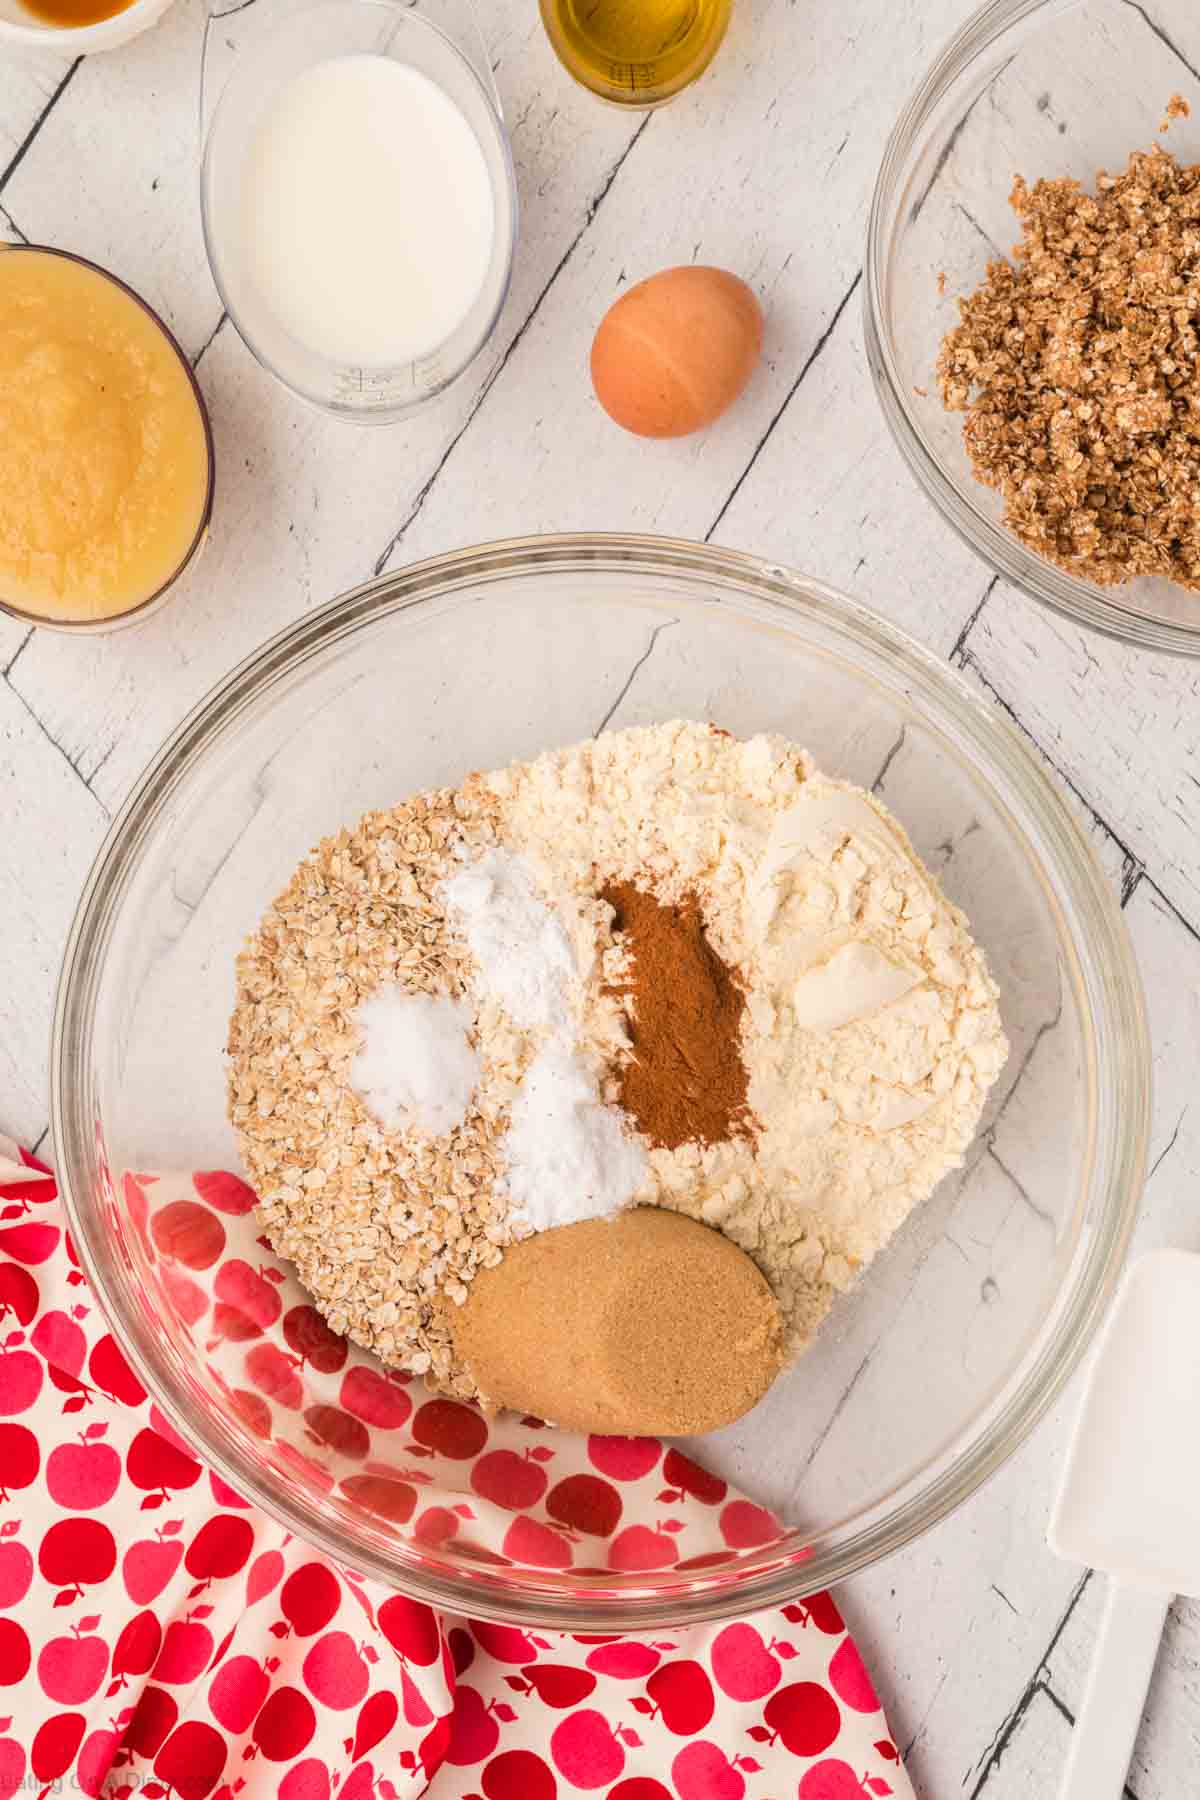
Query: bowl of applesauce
106, 483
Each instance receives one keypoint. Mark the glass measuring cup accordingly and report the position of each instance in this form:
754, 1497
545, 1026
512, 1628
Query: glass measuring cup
637, 53
249, 57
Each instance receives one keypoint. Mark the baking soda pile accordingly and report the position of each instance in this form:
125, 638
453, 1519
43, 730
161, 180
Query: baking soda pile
464, 931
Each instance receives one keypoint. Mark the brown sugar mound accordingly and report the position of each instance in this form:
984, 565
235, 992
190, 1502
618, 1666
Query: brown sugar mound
686, 1081
1078, 368
645, 1324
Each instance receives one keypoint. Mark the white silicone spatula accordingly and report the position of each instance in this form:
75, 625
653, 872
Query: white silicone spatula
1130, 1503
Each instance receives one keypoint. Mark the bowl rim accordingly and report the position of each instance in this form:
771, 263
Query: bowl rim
1082, 602
1100, 963
133, 615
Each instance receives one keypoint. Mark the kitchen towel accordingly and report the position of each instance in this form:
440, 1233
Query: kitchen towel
159, 1636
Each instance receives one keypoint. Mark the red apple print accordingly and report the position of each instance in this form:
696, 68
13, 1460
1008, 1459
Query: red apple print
95, 1760
254, 1410
285, 1725
629, 1661
265, 1574
137, 1648
147, 1567
20, 1458
71, 1669
61, 1341
509, 1480
359, 1784
679, 1471
153, 1722
52, 1751
334, 1672
238, 1690
536, 1545
518, 1775
558, 1685
306, 1333
411, 1628
243, 1289
586, 1750
416, 1709
18, 1293
744, 1526
640, 1787
20, 1381
225, 1192
432, 1748
452, 1430
637, 1547
824, 1614
372, 1397
192, 1760
112, 1374
393, 1500
474, 1733
683, 1695
376, 1720
804, 1716
271, 1372
624, 1458
223, 1494
29, 1243
338, 1431
742, 1664
504, 1643
187, 1647
306, 1781
701, 1771
435, 1525
220, 1548
16, 1572
309, 1780
82, 1476
232, 1327
849, 1679
311, 1595
77, 1552
188, 1233
154, 1465
168, 1433
188, 1302
586, 1503
832, 1779
14, 1653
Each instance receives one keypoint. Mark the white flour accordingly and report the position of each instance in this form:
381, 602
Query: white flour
872, 1033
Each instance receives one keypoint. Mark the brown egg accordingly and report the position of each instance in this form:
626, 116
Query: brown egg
675, 351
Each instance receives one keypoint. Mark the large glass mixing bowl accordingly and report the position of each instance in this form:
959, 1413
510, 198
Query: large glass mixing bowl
1036, 88
931, 1372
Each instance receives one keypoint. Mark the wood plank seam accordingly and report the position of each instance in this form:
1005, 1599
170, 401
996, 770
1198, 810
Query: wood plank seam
28, 140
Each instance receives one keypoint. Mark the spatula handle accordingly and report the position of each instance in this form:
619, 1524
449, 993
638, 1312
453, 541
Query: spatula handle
1115, 1696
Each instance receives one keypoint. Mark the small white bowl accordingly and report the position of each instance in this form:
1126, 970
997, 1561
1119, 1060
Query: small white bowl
21, 29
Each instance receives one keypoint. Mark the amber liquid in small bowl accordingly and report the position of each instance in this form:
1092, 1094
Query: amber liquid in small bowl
636, 52
71, 14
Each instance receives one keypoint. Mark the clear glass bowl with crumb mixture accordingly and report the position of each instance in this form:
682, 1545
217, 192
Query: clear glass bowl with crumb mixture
1041, 88
930, 1373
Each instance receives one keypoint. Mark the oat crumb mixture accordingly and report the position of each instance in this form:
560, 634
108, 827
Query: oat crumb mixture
836, 1035
1077, 365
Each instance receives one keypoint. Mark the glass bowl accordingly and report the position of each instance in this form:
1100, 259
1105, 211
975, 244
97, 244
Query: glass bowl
439, 38
933, 1369
1037, 88
137, 614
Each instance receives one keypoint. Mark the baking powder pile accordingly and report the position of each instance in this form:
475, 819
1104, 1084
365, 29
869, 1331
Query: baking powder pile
546, 901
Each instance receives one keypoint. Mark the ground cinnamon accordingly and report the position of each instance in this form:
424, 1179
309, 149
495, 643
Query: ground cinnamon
686, 1081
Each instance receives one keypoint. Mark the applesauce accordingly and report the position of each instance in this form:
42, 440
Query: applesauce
106, 470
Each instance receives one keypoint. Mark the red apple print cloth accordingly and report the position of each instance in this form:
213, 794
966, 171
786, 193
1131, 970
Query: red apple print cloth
160, 1637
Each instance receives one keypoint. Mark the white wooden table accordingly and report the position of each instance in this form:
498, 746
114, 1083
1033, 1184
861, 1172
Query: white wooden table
978, 1637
